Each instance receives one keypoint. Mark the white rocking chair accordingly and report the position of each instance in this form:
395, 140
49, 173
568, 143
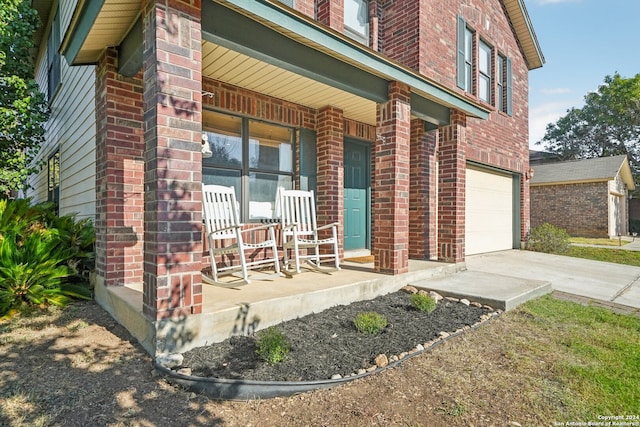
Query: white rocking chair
224, 235
297, 211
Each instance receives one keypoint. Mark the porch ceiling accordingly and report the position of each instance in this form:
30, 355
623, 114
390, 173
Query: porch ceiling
266, 47
235, 68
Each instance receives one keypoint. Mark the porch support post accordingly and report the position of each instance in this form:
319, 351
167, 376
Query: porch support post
119, 175
330, 170
423, 197
452, 189
172, 64
391, 182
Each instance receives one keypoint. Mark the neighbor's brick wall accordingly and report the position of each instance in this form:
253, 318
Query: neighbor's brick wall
581, 209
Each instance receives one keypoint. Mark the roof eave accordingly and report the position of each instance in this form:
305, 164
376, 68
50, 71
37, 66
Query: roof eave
519, 17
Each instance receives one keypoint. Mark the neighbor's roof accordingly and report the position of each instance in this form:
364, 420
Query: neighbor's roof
580, 171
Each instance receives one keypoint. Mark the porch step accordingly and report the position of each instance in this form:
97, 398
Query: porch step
497, 291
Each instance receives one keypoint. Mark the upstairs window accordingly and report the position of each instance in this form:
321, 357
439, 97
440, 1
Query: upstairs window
53, 57
486, 71
356, 20
253, 157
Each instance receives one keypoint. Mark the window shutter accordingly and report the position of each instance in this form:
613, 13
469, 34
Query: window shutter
509, 88
460, 75
288, 2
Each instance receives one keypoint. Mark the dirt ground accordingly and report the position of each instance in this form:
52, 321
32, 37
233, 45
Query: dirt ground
78, 367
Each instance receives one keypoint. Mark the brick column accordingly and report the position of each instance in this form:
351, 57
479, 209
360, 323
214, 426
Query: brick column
391, 181
330, 167
172, 67
119, 175
423, 193
451, 189
331, 14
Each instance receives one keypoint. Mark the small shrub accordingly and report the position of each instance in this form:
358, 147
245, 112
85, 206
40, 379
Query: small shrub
370, 322
548, 238
423, 302
273, 346
44, 259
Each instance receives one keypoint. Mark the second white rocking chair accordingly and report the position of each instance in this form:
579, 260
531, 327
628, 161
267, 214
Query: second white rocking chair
224, 235
297, 211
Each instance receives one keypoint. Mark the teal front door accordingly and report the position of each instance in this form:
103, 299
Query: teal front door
356, 195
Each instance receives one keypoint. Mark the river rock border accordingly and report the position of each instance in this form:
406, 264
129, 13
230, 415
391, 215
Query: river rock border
169, 365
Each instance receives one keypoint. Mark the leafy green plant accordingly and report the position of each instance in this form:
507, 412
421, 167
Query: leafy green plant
273, 346
44, 259
548, 238
34, 272
370, 322
423, 302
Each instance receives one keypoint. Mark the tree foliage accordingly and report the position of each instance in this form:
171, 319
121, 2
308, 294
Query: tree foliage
607, 125
23, 108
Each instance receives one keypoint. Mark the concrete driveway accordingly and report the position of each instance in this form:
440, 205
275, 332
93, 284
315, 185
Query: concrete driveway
603, 281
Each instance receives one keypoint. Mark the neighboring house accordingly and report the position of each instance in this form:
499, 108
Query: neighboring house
586, 197
408, 118
542, 157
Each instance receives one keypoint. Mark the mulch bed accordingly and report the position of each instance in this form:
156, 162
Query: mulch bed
327, 343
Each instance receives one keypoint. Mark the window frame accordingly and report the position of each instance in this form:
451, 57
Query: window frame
245, 169
354, 33
485, 75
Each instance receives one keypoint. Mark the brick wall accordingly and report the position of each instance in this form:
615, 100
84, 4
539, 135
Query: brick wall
172, 67
390, 243
581, 209
423, 193
331, 14
119, 174
422, 35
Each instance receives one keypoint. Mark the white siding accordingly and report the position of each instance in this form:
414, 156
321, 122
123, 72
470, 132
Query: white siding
71, 129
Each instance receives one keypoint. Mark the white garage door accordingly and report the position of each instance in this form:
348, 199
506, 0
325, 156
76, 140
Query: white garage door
489, 211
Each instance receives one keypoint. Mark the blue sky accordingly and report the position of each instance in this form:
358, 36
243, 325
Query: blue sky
582, 42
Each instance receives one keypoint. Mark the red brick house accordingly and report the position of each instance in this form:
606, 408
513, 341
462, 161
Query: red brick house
588, 197
409, 119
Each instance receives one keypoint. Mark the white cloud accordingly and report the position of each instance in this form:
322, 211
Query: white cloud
540, 116
555, 91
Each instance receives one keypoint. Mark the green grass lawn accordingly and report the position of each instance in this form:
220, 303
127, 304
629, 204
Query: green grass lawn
600, 241
596, 356
619, 256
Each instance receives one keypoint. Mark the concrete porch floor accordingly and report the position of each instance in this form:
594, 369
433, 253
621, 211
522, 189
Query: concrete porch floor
245, 308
